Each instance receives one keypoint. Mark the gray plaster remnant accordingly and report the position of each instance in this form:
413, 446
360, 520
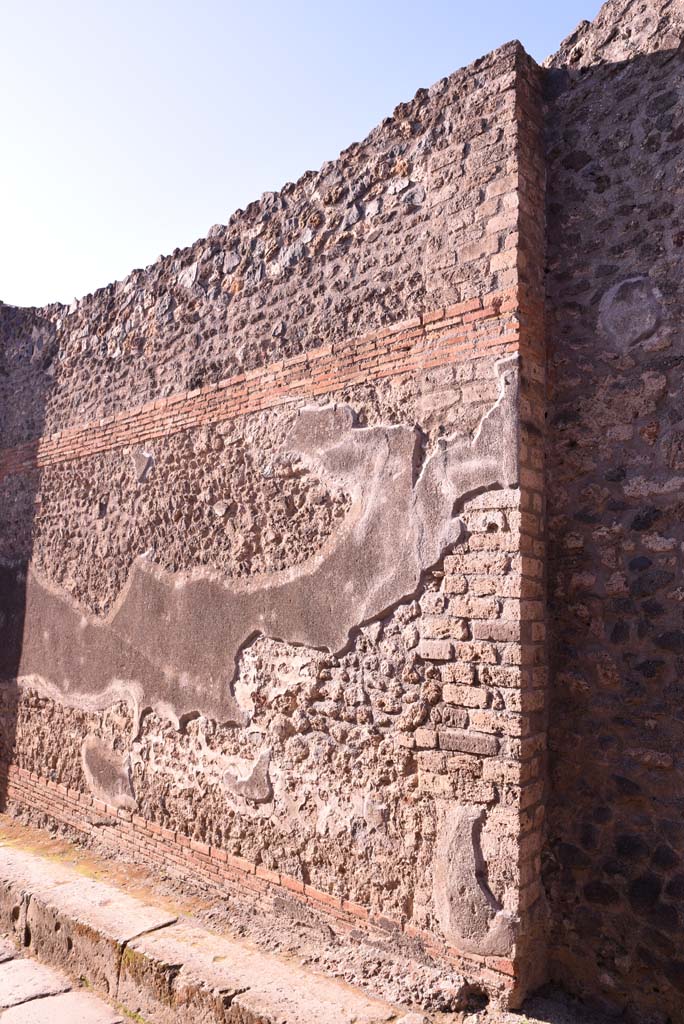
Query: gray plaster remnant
256, 787
107, 772
143, 463
468, 912
172, 641
630, 312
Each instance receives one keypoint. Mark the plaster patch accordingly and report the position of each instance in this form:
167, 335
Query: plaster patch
468, 912
254, 787
630, 312
107, 773
177, 638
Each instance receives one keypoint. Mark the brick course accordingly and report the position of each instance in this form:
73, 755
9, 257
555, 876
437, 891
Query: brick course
146, 842
486, 328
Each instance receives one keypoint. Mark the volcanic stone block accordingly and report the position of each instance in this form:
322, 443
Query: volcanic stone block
84, 926
183, 974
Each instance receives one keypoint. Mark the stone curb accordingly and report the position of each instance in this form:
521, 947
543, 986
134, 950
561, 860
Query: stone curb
165, 968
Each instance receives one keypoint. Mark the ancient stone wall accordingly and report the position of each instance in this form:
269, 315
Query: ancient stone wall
273, 543
615, 864
272, 561
417, 217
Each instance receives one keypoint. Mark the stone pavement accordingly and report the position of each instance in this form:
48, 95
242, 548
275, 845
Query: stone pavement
158, 965
31, 993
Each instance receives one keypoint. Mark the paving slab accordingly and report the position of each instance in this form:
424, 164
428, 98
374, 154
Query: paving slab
83, 926
69, 1008
21, 980
39, 873
66, 919
185, 972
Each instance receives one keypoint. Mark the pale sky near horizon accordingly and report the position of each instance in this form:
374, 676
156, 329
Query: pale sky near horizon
130, 128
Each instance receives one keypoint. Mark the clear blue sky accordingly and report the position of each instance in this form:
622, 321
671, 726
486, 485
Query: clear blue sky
129, 128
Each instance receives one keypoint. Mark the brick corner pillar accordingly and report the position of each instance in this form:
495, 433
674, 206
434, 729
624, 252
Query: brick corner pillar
487, 764
530, 950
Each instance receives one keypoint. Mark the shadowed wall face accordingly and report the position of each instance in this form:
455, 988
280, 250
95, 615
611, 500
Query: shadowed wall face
615, 126
20, 358
282, 619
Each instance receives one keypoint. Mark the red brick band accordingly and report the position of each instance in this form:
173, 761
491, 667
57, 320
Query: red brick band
470, 330
150, 843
